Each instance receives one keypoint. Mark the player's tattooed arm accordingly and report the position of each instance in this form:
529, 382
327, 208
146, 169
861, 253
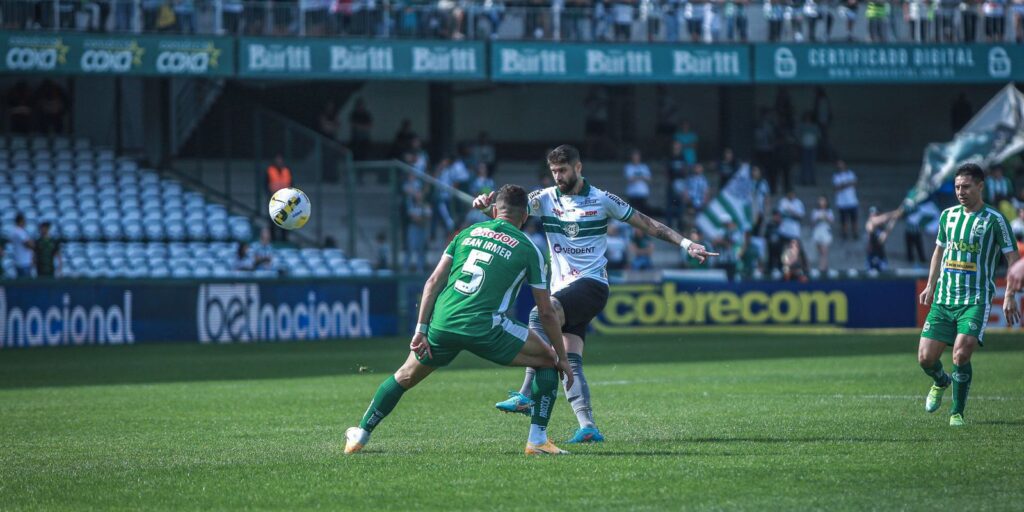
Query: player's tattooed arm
663, 232
655, 228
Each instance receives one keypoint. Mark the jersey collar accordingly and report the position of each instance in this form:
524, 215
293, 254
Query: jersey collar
584, 192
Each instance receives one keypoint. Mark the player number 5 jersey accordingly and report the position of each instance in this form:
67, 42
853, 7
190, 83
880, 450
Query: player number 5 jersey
972, 245
490, 262
577, 231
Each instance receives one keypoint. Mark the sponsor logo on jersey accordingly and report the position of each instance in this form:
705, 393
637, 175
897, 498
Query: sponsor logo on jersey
589, 213
973, 326
571, 229
979, 228
485, 232
617, 200
535, 203
572, 251
927, 326
966, 247
961, 267
558, 212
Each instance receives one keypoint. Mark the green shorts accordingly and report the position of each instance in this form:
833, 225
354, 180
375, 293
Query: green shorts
501, 344
945, 322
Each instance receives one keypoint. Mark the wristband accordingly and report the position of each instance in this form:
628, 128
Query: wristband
421, 328
685, 244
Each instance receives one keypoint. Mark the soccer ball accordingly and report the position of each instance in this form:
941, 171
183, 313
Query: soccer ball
289, 208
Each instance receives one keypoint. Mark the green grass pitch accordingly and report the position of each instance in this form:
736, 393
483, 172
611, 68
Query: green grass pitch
735, 421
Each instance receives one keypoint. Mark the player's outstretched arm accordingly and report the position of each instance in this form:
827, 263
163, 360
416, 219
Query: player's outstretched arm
1010, 307
435, 283
552, 324
483, 202
663, 232
933, 277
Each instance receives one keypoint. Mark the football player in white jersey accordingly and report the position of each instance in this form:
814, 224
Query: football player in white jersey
575, 216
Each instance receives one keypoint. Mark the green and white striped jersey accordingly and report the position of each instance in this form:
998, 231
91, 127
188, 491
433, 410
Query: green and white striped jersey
577, 231
973, 243
490, 261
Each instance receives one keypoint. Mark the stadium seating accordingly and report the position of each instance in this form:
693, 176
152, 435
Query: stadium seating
118, 220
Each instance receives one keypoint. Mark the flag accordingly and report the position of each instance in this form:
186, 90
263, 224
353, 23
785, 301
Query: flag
733, 203
994, 134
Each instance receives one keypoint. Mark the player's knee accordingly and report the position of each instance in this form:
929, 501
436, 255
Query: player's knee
961, 357
925, 360
405, 377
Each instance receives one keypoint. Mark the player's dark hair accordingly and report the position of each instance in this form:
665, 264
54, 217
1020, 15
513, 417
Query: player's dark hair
564, 154
973, 171
511, 199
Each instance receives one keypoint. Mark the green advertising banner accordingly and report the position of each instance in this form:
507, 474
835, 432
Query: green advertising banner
568, 62
813, 63
360, 59
26, 52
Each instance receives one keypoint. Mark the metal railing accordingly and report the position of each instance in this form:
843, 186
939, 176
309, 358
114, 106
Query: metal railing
560, 20
191, 99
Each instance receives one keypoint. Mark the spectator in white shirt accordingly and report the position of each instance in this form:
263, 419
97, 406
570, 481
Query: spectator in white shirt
697, 189
845, 183
638, 188
792, 210
21, 247
823, 218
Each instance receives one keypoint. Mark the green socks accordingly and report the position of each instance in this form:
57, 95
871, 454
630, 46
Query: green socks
961, 386
387, 397
545, 390
937, 374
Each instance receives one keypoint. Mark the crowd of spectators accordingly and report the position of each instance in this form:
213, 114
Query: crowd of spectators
697, 21
430, 214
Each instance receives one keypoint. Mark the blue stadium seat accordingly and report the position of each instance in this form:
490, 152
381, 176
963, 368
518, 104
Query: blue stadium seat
69, 230
159, 272
156, 250
133, 231
154, 231
196, 230
241, 229
177, 251
174, 230
218, 231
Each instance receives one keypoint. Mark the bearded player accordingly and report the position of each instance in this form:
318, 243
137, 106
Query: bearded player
961, 287
463, 308
575, 215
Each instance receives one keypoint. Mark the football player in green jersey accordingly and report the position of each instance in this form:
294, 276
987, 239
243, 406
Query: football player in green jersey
961, 286
464, 307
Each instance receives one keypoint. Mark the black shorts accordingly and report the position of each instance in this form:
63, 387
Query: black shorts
581, 301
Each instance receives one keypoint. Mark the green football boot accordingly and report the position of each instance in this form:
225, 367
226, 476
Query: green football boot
934, 400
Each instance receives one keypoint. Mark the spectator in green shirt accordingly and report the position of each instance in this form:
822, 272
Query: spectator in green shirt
47, 251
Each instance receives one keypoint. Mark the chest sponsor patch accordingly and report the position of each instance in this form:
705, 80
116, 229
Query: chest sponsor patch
961, 267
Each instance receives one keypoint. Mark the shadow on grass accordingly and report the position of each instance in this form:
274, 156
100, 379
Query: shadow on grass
155, 363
